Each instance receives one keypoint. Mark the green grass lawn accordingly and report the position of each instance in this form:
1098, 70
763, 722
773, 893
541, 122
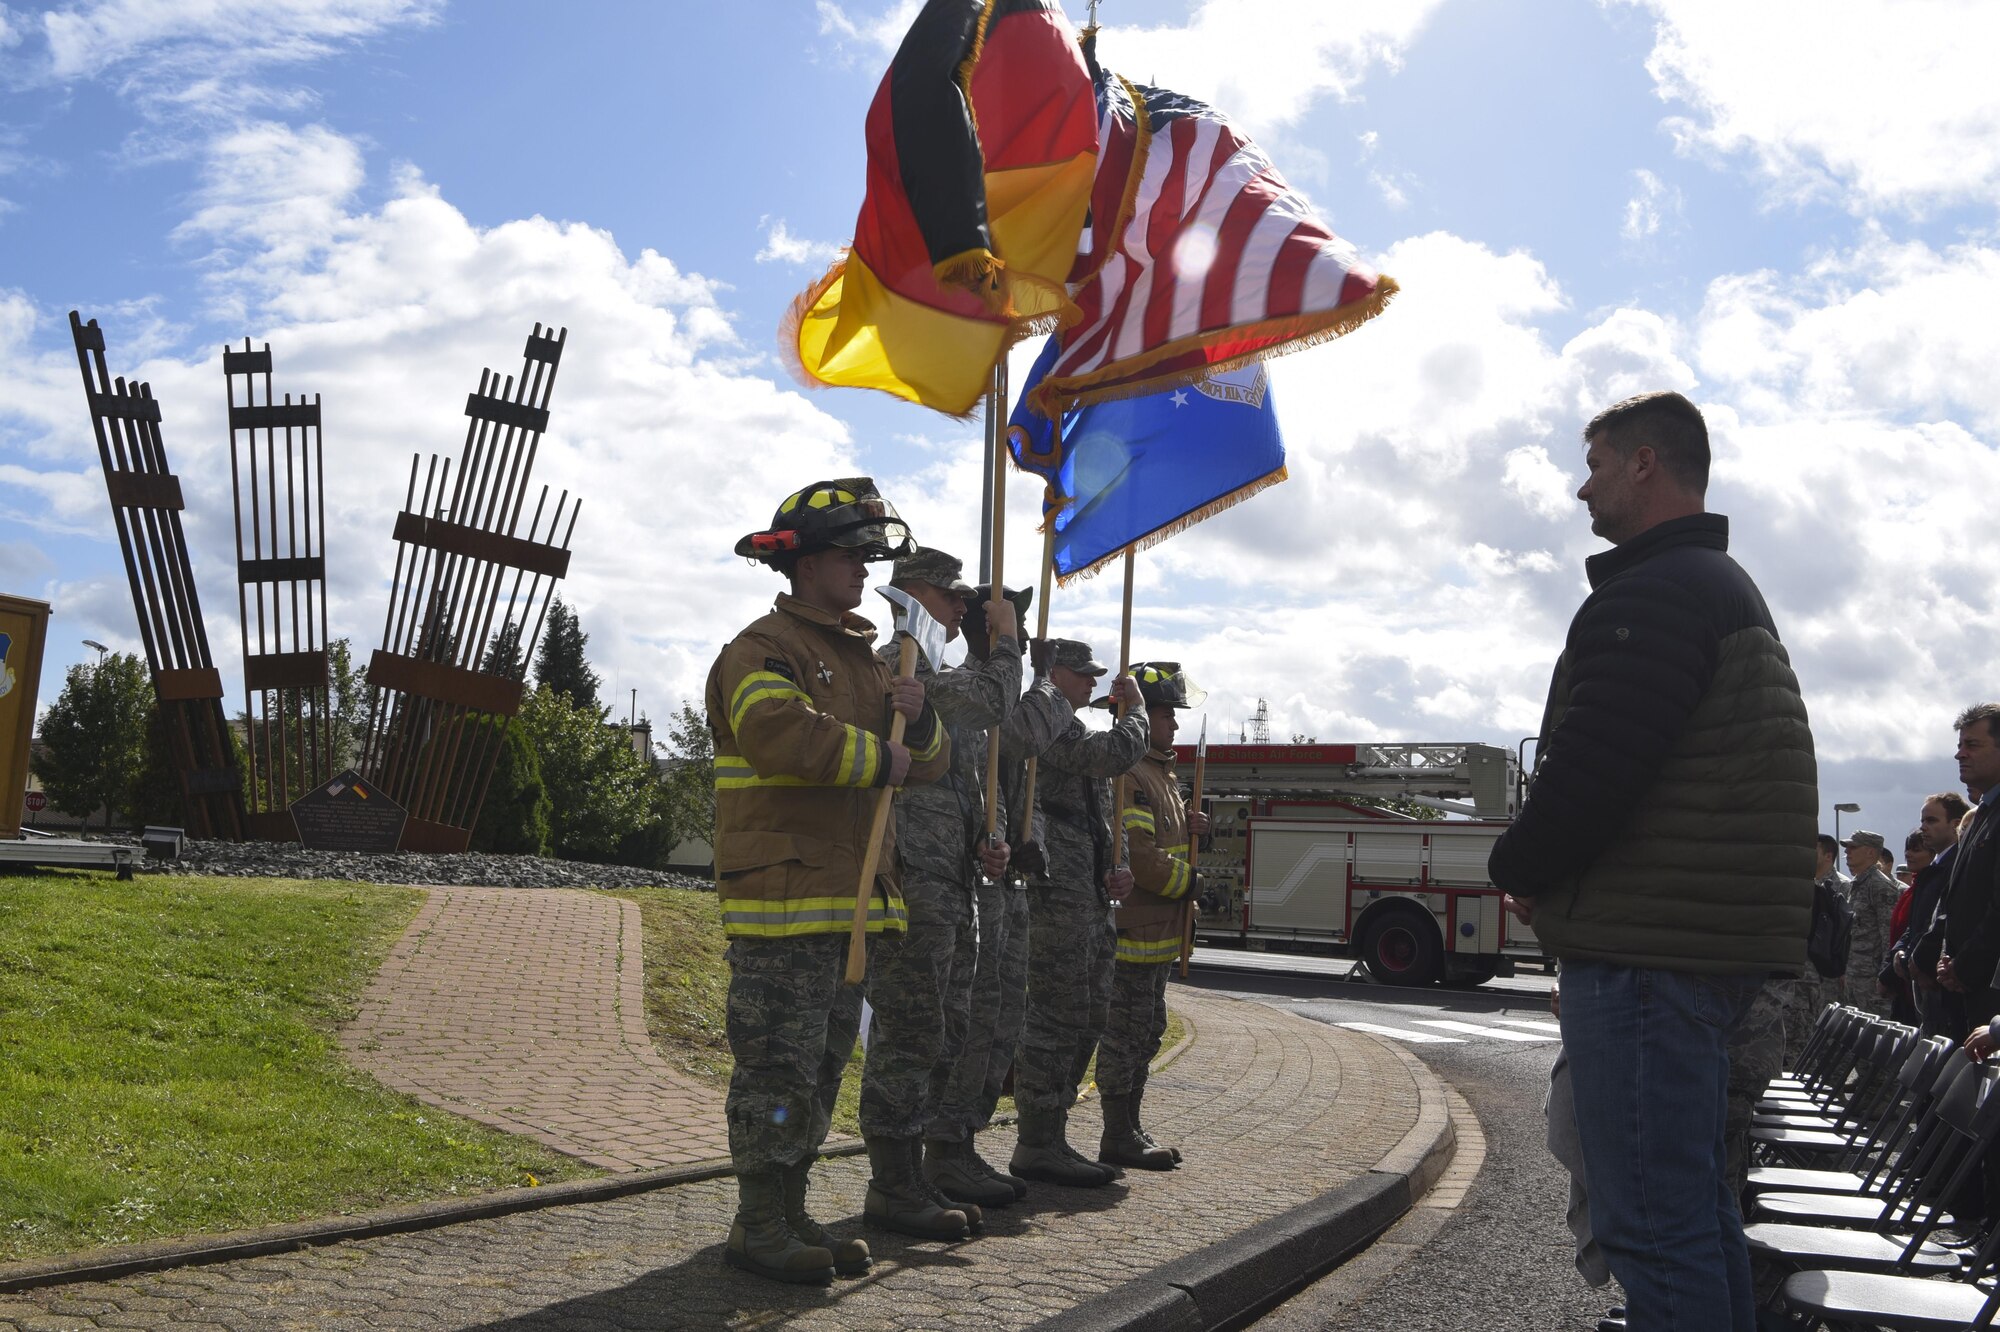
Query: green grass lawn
168, 1064
687, 983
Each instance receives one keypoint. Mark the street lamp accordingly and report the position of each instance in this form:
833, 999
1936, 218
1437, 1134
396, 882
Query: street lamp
101, 649
1846, 807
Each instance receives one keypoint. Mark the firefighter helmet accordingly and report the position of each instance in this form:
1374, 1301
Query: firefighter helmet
1164, 685
848, 512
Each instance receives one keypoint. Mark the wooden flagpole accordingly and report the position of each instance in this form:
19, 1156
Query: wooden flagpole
864, 893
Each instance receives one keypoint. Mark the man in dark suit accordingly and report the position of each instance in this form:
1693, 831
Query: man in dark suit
1971, 910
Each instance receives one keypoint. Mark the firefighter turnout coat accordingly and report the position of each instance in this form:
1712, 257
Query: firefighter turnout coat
1151, 920
798, 706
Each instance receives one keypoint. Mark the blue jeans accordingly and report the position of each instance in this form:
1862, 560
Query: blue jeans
1649, 1064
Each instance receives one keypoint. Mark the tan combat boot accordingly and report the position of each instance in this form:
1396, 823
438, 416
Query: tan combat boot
1138, 1124
850, 1257
1121, 1144
952, 1169
1040, 1155
761, 1242
898, 1200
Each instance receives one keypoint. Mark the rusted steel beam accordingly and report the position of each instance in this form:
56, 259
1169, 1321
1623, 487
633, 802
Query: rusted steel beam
278, 466
146, 502
436, 717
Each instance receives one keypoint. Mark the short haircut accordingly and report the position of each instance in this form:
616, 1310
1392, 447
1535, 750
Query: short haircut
1665, 422
1986, 712
1829, 844
1914, 842
1888, 856
1952, 802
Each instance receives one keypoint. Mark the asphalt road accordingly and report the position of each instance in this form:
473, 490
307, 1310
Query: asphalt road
1503, 1259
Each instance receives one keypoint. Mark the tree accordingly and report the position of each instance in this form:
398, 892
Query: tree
599, 789
348, 701
559, 661
94, 737
690, 776
515, 818
503, 654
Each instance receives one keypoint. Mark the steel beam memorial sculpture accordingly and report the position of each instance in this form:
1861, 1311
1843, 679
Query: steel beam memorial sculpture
280, 475
465, 573
146, 508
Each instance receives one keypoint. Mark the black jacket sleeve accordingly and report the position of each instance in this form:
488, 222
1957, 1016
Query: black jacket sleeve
1641, 654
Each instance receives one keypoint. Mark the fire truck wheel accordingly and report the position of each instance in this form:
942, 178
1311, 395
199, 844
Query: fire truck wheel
1401, 947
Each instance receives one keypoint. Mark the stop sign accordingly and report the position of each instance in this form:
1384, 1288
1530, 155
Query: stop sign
37, 801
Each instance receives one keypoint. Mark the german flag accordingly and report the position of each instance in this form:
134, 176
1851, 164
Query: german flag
982, 145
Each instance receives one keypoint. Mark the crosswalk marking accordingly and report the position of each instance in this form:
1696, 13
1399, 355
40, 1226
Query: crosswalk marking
1402, 1034
1493, 1033
1553, 1028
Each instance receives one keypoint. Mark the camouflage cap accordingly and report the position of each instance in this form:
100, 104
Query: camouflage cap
1076, 656
924, 565
1873, 839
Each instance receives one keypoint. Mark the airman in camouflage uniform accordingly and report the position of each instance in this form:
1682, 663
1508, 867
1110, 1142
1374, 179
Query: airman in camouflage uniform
920, 985
1873, 896
796, 709
1755, 1052
1805, 997
999, 996
1071, 939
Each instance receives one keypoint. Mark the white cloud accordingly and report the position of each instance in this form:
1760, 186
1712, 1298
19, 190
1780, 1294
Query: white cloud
390, 314
782, 247
1875, 104
191, 69
88, 39
1890, 328
1653, 203
10, 29
1389, 188
1265, 62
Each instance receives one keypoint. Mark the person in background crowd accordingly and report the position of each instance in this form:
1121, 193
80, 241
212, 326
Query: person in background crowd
1902, 995
1811, 992
1970, 914
1918, 946
1872, 894
1672, 699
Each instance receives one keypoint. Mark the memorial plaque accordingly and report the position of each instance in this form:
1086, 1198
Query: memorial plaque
348, 813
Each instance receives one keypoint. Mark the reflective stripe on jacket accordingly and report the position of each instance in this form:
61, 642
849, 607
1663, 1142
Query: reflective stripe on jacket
797, 704
1156, 840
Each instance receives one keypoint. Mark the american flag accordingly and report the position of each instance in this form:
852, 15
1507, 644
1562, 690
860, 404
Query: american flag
1200, 257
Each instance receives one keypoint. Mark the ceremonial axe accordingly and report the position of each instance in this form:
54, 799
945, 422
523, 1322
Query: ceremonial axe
917, 631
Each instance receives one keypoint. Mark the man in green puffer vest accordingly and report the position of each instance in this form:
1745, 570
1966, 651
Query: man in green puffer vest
1665, 855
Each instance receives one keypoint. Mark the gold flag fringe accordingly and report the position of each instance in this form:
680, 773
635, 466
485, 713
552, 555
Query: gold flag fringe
1176, 527
971, 62
794, 320
1297, 332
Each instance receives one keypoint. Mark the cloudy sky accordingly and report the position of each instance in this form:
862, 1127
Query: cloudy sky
1786, 211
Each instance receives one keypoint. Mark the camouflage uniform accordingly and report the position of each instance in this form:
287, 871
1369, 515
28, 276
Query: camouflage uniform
920, 985
1756, 1050
1808, 995
1071, 938
1000, 990
1873, 897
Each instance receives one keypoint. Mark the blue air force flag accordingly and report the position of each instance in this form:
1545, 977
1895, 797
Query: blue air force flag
1134, 471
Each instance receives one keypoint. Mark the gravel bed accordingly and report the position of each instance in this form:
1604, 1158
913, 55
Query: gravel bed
279, 860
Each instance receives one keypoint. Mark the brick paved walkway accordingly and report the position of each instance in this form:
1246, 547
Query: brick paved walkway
1271, 1109
523, 1009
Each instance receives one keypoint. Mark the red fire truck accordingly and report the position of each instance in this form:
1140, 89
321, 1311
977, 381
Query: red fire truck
1296, 862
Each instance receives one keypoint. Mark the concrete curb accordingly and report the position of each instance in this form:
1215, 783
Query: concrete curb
1235, 1281
159, 1255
